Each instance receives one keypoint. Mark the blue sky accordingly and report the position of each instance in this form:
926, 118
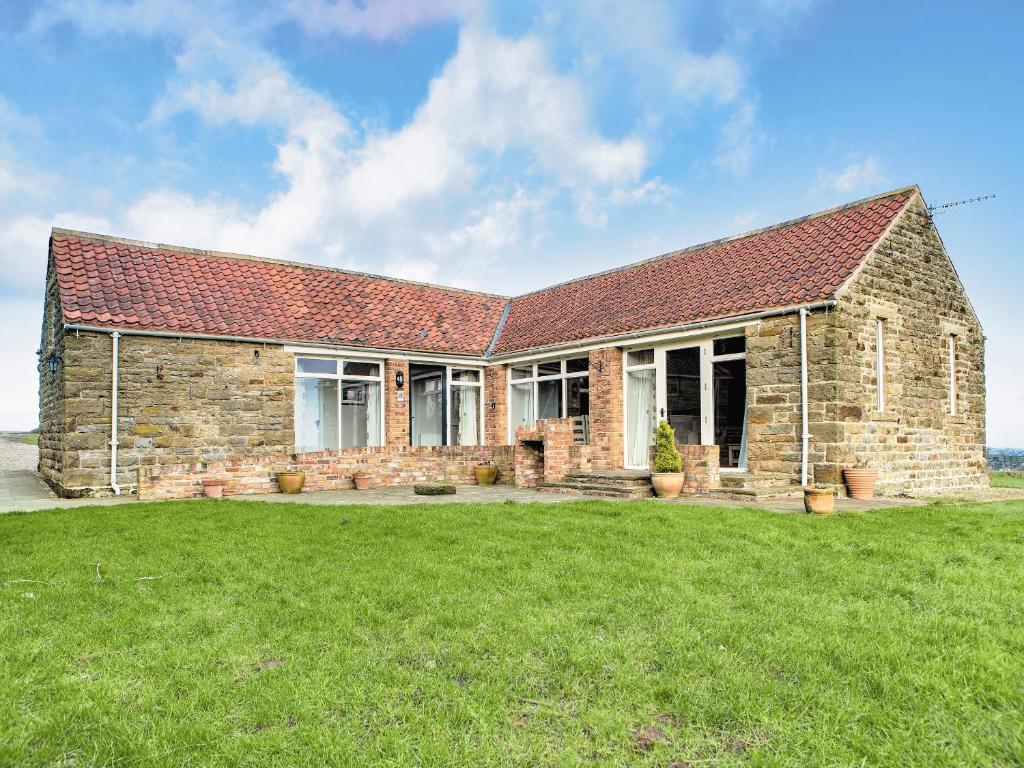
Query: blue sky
501, 146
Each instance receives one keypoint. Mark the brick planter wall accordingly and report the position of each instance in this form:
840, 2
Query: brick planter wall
701, 465
328, 470
606, 408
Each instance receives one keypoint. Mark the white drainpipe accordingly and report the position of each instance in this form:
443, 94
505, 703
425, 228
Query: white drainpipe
805, 435
115, 337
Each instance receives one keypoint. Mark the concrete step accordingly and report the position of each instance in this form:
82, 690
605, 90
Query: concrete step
601, 490
791, 491
749, 480
632, 479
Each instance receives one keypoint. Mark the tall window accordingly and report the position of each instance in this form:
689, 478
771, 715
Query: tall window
337, 404
548, 390
880, 364
952, 375
465, 406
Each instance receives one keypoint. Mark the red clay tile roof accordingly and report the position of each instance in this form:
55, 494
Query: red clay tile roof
121, 284
798, 262
114, 283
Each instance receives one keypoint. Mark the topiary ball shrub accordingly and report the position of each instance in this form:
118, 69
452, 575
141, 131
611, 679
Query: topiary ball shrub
434, 489
666, 455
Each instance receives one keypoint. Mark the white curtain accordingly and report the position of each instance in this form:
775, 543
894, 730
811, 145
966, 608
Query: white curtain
373, 414
469, 421
743, 439
640, 415
522, 404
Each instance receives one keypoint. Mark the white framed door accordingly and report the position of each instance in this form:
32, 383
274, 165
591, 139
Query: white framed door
699, 388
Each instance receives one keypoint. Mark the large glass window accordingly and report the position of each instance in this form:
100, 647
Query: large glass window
336, 410
550, 389
465, 406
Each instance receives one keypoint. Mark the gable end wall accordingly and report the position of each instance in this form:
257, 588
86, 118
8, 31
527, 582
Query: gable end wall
916, 444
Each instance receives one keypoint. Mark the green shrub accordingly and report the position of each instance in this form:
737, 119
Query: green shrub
434, 489
666, 455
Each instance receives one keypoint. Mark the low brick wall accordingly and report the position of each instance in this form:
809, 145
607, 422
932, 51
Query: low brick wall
328, 470
701, 465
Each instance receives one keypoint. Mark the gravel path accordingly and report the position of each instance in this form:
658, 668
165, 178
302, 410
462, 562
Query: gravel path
18, 456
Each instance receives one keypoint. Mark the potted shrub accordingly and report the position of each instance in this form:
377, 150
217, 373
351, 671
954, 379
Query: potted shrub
820, 499
486, 473
667, 468
213, 489
290, 482
362, 480
860, 480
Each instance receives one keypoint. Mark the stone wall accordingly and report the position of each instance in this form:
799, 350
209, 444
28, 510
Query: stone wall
327, 470
915, 443
177, 398
51, 386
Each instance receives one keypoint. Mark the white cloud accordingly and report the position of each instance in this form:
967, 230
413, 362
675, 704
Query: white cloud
23, 248
378, 19
856, 176
22, 321
740, 139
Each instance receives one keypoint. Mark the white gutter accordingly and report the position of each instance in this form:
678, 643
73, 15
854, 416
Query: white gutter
805, 436
376, 351
115, 337
628, 338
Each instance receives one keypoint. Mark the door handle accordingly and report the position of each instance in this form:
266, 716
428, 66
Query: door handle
663, 413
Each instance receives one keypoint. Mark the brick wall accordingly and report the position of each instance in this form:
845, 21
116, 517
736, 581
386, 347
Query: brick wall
496, 405
701, 466
606, 415
327, 470
396, 411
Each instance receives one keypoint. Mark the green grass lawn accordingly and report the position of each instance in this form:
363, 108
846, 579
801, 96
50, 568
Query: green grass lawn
32, 438
1007, 479
237, 633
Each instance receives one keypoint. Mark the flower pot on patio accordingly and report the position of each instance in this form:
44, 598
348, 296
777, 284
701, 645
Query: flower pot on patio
820, 499
291, 482
860, 482
668, 485
214, 489
486, 474
362, 480
667, 468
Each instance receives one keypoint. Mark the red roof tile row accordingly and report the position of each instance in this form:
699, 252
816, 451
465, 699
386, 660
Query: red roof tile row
122, 284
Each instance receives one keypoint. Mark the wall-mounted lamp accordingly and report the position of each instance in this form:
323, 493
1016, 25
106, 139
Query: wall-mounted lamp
399, 380
53, 363
255, 355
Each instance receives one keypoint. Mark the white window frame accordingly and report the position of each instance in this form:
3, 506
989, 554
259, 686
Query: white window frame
953, 407
340, 378
479, 385
535, 378
880, 364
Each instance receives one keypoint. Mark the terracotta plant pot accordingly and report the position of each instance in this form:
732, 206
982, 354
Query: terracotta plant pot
362, 481
820, 501
668, 485
291, 482
860, 482
485, 475
213, 489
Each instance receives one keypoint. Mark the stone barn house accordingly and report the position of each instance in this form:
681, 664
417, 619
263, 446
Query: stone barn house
779, 357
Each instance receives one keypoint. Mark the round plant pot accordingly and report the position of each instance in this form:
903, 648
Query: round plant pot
291, 482
362, 482
668, 485
213, 489
819, 501
485, 475
860, 482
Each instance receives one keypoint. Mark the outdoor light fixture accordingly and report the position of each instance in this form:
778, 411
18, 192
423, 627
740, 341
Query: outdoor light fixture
53, 362
399, 380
